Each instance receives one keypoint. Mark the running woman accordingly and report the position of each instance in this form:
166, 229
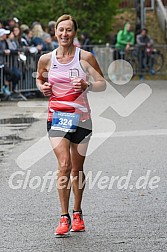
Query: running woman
63, 75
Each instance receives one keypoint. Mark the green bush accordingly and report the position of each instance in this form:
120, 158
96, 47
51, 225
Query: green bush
93, 16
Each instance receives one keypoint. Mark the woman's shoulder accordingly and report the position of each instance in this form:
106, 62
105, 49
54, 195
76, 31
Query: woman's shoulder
45, 57
45, 60
87, 56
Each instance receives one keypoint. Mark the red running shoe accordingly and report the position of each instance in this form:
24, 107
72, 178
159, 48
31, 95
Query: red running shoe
78, 222
63, 227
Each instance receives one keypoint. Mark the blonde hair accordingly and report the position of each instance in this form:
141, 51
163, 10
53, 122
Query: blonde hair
67, 17
37, 30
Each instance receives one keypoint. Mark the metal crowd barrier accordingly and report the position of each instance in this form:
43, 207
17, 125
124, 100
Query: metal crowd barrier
104, 55
27, 69
154, 60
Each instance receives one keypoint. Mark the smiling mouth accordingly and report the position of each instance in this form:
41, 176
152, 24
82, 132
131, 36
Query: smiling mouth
64, 39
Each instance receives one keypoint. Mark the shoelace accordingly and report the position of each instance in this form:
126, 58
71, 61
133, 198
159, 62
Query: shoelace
77, 217
64, 221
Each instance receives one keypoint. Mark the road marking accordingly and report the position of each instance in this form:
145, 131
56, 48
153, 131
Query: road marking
25, 162
134, 133
32, 104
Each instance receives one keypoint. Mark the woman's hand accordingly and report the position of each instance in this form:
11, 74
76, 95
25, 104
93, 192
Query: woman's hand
46, 89
79, 84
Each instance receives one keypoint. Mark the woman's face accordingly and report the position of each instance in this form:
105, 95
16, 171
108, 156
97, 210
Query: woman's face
30, 34
65, 33
11, 36
16, 31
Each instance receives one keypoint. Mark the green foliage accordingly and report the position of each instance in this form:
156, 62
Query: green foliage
93, 16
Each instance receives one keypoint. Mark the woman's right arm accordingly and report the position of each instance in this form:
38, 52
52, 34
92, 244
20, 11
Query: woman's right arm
42, 73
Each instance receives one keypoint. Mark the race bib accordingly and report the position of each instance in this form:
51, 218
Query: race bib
67, 122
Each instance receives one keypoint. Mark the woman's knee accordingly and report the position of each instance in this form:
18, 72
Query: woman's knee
64, 166
77, 172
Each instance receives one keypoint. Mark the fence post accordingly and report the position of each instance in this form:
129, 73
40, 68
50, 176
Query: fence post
142, 17
165, 33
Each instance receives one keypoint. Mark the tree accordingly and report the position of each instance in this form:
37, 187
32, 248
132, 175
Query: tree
93, 16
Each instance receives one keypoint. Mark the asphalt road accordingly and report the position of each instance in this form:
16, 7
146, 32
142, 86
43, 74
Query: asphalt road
125, 198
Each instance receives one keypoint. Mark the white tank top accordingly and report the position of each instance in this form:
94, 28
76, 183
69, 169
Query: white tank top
64, 98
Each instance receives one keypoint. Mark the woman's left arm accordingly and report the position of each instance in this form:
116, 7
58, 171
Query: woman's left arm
92, 67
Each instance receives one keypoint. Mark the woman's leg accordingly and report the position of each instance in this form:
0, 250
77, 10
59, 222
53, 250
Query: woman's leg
78, 176
61, 147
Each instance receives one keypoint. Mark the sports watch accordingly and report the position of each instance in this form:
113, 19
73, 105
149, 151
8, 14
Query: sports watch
90, 85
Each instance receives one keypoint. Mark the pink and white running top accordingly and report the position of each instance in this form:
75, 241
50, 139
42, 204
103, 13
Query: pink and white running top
63, 97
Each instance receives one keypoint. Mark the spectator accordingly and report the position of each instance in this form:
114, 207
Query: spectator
13, 22
12, 45
51, 31
37, 41
41, 39
48, 41
9, 74
86, 42
17, 36
113, 40
26, 39
23, 28
143, 42
14, 53
27, 42
125, 39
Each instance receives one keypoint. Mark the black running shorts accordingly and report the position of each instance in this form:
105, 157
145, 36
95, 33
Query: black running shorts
82, 134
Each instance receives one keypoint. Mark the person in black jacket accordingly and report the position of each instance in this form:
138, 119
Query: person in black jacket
144, 42
86, 42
